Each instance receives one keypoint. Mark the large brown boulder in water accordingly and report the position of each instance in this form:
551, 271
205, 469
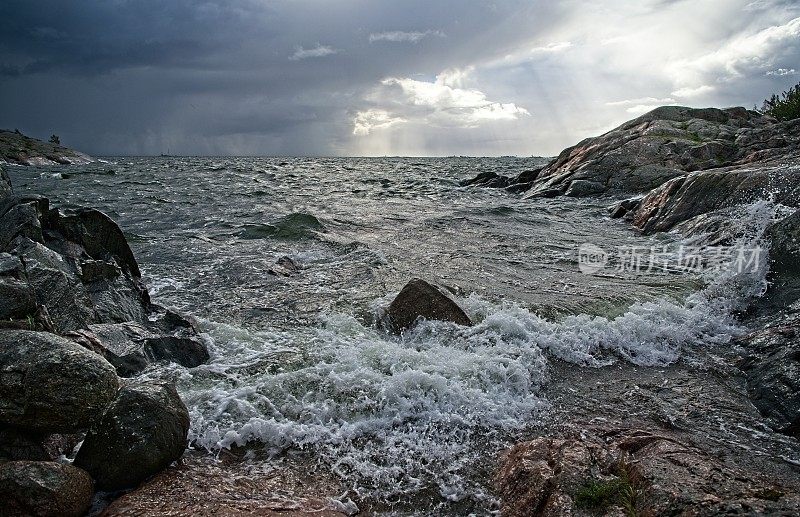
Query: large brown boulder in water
419, 299
44, 488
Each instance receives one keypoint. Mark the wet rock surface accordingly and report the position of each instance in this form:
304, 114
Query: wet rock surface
141, 433
681, 440
284, 266
200, 484
419, 299
699, 193
76, 266
70, 273
621, 471
43, 489
131, 347
49, 383
772, 369
784, 251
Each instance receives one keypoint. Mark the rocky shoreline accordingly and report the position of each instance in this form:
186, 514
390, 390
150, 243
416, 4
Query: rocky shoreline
733, 449
717, 433
77, 327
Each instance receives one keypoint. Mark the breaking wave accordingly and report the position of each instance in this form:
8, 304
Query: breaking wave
396, 415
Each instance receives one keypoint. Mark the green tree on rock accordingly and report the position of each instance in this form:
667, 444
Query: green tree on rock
55, 140
785, 106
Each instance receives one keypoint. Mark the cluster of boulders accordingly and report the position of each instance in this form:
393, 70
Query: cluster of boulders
76, 326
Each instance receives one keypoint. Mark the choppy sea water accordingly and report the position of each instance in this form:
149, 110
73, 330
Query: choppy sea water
299, 364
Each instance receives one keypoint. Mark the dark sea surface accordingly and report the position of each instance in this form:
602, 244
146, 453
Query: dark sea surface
299, 362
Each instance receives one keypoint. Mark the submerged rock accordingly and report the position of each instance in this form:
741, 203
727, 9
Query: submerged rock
634, 472
284, 266
48, 383
419, 299
43, 489
487, 179
141, 433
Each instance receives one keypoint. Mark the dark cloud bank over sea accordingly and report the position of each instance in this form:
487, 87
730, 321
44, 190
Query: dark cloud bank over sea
367, 78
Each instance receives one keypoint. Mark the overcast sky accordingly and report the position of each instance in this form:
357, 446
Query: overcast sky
372, 77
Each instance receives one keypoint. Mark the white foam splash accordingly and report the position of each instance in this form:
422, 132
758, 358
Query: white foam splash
393, 416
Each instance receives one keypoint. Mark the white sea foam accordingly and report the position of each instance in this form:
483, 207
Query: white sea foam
396, 415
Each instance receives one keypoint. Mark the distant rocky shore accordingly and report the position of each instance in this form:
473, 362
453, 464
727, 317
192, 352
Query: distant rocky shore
18, 149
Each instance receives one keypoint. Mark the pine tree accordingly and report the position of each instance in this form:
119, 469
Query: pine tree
785, 106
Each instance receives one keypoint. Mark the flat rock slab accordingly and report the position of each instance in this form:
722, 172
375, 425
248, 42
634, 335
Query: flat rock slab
200, 484
631, 471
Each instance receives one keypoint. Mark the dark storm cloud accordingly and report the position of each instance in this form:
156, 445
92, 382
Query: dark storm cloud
361, 76
96, 37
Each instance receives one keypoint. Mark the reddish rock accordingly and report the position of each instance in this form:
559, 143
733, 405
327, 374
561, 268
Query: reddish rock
419, 299
624, 471
199, 484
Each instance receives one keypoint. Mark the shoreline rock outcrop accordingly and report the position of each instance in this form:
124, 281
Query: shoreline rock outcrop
685, 170
75, 315
665, 144
630, 472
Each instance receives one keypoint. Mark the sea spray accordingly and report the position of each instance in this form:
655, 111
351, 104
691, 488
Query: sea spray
394, 416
